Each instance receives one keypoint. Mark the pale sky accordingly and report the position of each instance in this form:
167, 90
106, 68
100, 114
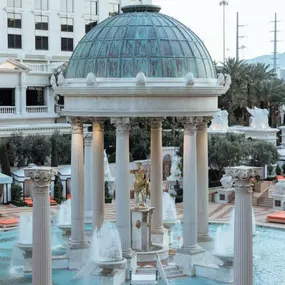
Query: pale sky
204, 17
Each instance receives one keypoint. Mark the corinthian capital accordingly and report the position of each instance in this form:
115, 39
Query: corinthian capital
156, 123
122, 125
41, 178
98, 124
242, 176
203, 123
77, 125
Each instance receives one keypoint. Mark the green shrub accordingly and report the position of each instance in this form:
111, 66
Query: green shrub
278, 170
283, 168
16, 193
269, 169
58, 191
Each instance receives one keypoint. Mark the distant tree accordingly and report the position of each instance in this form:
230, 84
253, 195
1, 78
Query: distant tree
4, 159
54, 159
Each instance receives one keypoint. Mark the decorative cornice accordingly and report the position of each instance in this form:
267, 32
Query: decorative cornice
41, 178
76, 125
98, 124
122, 125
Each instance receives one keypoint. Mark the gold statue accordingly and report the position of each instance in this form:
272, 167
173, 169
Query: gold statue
141, 185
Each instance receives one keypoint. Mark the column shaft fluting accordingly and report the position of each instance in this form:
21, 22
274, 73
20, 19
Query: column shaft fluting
123, 220
88, 174
156, 195
98, 174
77, 183
41, 256
202, 182
243, 265
190, 186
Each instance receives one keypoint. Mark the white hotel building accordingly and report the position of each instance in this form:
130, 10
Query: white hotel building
37, 37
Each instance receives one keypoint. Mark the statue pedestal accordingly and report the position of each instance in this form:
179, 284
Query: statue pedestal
141, 228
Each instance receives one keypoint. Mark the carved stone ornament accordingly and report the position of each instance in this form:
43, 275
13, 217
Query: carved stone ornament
221, 80
53, 81
98, 124
122, 125
41, 177
228, 80
242, 176
90, 79
60, 79
87, 138
141, 79
190, 79
203, 123
77, 125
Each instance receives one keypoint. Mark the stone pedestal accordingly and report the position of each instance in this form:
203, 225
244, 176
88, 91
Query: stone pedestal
243, 265
41, 256
224, 196
141, 229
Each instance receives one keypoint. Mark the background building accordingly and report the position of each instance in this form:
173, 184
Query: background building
37, 39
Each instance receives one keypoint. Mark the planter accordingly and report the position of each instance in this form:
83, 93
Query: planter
179, 199
108, 200
259, 187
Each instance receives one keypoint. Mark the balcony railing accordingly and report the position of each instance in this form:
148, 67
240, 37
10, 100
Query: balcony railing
7, 109
37, 109
40, 67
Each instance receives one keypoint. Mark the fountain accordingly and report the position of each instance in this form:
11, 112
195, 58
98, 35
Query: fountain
64, 218
108, 176
169, 214
175, 174
224, 241
106, 254
220, 122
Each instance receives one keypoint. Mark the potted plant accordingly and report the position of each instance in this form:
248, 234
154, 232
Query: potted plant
17, 196
278, 170
270, 169
108, 197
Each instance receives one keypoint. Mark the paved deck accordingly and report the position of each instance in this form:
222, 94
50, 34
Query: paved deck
218, 213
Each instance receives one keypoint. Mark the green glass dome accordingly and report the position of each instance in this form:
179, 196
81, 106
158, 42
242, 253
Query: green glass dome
140, 40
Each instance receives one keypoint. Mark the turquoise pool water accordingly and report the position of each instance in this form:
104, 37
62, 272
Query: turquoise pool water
269, 262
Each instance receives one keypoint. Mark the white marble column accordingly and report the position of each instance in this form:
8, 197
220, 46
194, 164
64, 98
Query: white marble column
156, 196
123, 220
41, 258
18, 100
202, 182
243, 265
88, 193
98, 173
77, 184
190, 186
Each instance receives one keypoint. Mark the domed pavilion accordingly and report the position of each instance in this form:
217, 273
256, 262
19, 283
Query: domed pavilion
141, 63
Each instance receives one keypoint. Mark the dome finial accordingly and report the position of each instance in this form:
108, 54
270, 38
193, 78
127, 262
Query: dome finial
141, 8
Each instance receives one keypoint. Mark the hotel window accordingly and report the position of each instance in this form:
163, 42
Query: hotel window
41, 23
14, 20
89, 25
114, 9
93, 8
66, 44
41, 43
67, 6
15, 41
41, 4
66, 24
14, 3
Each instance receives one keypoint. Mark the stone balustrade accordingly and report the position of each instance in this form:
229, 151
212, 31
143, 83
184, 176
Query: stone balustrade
37, 109
7, 109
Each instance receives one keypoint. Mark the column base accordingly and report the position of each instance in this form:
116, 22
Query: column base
160, 236
188, 258
79, 254
117, 277
206, 242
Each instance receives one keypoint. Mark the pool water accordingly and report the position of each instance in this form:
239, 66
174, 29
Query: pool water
269, 262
